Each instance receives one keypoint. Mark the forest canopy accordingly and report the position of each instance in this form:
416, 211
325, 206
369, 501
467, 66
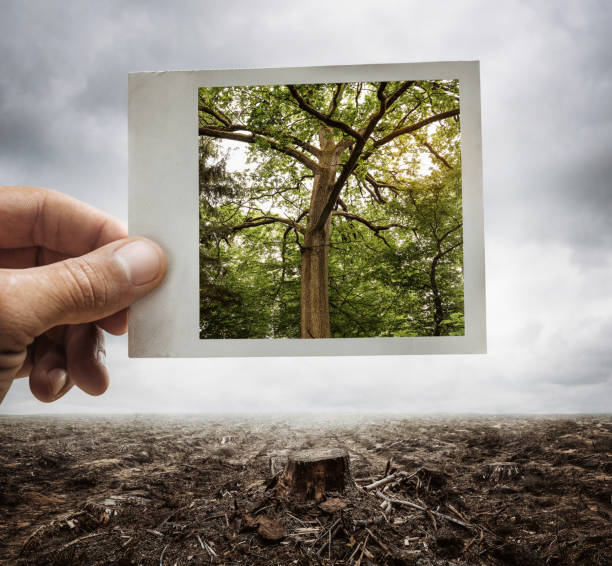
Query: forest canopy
341, 217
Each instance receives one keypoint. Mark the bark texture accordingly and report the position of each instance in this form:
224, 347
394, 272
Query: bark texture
315, 251
310, 474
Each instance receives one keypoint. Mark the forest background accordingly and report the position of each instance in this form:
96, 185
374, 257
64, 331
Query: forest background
343, 219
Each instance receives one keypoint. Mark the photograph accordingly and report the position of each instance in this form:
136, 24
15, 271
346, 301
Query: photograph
331, 210
305, 283
310, 210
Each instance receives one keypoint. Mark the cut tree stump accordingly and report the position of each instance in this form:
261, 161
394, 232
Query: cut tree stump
502, 471
310, 474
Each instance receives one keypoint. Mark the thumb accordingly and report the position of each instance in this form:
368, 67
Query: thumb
89, 287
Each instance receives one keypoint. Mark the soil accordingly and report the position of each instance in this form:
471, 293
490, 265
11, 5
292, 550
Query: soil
183, 491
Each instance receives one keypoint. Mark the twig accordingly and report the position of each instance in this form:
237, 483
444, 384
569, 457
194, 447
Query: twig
205, 546
425, 509
36, 531
325, 529
391, 478
296, 518
161, 558
76, 540
378, 541
372, 521
383, 481
333, 529
456, 512
386, 507
470, 543
365, 542
354, 552
364, 481
211, 517
305, 531
210, 550
388, 467
177, 511
433, 519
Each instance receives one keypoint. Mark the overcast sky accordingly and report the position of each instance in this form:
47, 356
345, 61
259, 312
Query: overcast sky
546, 80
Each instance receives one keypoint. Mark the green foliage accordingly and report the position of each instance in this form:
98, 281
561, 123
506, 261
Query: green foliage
404, 280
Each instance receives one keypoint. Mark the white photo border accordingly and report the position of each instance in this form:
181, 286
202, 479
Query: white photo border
163, 205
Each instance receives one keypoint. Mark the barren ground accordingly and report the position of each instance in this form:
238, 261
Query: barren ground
145, 490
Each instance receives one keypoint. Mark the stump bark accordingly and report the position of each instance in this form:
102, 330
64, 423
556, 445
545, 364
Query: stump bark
310, 474
497, 472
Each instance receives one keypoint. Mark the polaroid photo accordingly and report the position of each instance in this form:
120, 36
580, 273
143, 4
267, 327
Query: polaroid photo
310, 211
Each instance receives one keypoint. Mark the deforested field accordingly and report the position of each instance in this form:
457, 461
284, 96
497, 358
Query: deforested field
425, 490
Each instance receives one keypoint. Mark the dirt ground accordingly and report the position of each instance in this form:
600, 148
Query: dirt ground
165, 491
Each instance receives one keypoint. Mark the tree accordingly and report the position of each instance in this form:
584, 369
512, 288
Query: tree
335, 157
433, 258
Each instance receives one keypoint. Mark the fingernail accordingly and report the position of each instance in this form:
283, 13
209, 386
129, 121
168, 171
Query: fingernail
101, 356
58, 378
140, 260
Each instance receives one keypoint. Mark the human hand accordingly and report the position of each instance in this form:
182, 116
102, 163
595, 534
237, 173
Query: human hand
67, 270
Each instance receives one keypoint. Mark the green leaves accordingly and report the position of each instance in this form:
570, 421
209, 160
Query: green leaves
395, 260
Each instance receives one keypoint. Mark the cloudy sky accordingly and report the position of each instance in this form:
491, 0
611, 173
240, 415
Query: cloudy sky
546, 80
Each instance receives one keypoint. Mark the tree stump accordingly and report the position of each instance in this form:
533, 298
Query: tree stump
312, 473
497, 472
277, 461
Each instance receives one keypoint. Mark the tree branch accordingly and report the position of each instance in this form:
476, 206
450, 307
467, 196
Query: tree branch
448, 233
414, 127
380, 93
263, 220
320, 116
342, 204
335, 99
442, 254
381, 184
215, 114
297, 141
227, 133
375, 194
374, 227
229, 127
433, 151
400, 90
357, 150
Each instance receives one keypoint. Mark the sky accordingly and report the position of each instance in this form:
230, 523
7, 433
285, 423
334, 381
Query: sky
546, 86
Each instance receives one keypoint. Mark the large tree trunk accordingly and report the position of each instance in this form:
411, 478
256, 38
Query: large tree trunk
315, 251
315, 287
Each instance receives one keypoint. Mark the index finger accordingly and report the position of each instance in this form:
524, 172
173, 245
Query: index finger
32, 216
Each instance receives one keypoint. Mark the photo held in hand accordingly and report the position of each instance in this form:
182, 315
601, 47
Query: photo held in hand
313, 210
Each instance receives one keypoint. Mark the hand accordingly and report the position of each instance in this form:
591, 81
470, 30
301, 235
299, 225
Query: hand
67, 270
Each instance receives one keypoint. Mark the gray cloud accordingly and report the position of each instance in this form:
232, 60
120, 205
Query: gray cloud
546, 87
